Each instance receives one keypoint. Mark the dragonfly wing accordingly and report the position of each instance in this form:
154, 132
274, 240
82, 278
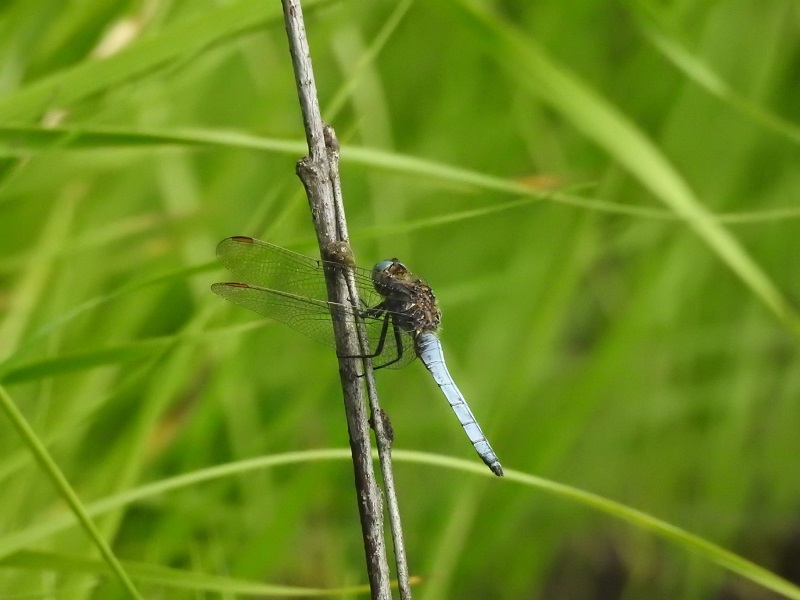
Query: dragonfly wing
268, 266
313, 318
430, 352
306, 315
290, 288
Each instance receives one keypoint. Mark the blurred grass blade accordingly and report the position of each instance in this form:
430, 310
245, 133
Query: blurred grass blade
174, 42
10, 544
56, 324
168, 578
112, 355
50, 468
689, 541
50, 367
21, 140
19, 540
704, 76
600, 121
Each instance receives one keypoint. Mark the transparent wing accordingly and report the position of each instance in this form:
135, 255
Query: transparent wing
290, 288
268, 266
308, 316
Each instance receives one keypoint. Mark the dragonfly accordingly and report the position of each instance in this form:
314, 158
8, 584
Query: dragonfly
398, 309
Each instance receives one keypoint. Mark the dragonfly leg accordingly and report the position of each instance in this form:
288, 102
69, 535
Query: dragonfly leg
381, 341
398, 340
396, 332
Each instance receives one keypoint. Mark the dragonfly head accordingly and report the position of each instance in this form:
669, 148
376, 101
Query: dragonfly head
387, 271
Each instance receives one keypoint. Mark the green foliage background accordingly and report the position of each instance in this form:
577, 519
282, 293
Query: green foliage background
603, 195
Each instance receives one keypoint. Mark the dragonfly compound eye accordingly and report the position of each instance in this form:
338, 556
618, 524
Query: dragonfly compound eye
379, 271
382, 266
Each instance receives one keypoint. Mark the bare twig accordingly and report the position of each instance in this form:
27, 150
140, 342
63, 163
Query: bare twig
380, 422
317, 172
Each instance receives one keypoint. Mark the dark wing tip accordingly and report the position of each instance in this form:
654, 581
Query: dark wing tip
216, 287
228, 241
242, 239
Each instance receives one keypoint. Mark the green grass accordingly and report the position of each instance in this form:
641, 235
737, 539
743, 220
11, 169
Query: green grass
602, 196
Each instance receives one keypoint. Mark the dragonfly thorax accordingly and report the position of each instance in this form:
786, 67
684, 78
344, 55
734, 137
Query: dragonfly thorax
407, 297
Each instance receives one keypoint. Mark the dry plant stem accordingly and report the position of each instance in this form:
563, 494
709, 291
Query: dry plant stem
314, 172
380, 423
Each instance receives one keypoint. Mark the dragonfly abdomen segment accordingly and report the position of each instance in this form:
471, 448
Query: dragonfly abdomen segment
429, 350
